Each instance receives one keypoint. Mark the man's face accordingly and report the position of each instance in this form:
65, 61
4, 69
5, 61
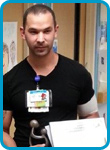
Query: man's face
5, 62
39, 33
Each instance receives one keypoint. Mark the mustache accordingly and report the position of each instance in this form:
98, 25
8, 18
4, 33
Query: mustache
41, 46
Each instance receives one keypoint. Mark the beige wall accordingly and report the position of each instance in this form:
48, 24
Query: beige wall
12, 12
90, 37
65, 18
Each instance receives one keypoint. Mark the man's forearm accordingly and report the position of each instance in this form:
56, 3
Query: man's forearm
8, 140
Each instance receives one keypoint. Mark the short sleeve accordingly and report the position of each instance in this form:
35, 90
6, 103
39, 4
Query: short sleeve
6, 95
87, 91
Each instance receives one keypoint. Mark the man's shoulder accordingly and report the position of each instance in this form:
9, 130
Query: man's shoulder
73, 67
71, 63
17, 69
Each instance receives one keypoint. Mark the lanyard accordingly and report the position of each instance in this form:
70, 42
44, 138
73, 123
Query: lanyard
37, 79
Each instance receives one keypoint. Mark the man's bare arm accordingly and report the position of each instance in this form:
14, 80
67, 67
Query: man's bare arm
89, 109
7, 139
93, 115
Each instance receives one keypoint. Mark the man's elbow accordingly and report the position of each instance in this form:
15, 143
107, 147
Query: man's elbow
92, 115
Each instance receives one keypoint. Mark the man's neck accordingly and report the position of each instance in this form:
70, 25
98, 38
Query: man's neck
43, 65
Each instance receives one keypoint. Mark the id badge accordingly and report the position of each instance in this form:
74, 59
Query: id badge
39, 100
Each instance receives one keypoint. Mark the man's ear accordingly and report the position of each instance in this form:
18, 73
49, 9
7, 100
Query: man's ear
56, 30
22, 33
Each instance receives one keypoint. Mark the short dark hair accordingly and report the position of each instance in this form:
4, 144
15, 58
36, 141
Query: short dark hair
36, 9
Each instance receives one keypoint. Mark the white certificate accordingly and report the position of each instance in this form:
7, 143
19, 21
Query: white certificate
79, 133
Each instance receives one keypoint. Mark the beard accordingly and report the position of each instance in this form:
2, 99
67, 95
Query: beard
41, 51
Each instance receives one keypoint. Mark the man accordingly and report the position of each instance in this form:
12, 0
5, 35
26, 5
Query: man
70, 82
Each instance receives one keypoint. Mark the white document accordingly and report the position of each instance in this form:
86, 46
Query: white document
79, 133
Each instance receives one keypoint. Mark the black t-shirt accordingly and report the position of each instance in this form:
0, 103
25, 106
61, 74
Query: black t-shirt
71, 85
